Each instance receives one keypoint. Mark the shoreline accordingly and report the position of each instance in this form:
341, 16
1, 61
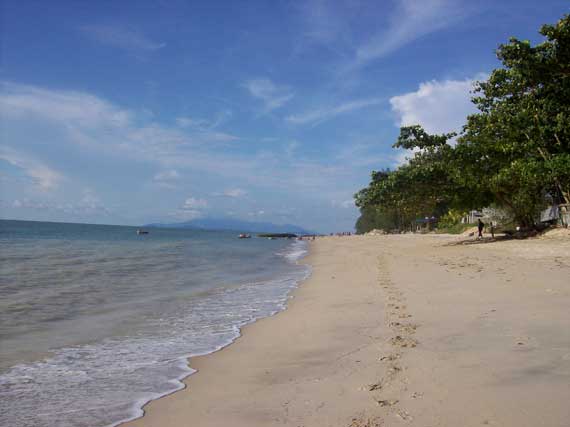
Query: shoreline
402, 329
140, 406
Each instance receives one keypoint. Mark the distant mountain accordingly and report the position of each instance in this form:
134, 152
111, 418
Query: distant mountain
235, 225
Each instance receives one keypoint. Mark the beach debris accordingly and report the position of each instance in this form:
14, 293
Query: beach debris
390, 402
404, 415
366, 422
394, 368
377, 386
389, 358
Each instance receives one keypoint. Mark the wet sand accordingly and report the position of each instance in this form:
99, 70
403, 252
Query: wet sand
399, 330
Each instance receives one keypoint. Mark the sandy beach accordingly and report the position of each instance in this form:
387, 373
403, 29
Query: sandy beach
399, 330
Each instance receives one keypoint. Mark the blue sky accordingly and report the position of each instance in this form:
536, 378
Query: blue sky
134, 112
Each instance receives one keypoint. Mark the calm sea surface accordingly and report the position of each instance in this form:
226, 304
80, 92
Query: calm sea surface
96, 320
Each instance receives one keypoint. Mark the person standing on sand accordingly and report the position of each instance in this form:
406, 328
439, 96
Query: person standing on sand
480, 226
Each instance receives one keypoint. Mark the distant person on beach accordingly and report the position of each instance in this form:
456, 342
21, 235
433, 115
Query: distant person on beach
480, 226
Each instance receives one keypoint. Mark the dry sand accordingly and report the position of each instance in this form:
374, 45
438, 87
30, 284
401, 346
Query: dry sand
399, 330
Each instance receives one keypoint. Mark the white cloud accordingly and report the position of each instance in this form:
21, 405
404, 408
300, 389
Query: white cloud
90, 203
321, 115
75, 109
89, 120
133, 138
44, 177
205, 124
186, 214
192, 203
438, 106
122, 38
87, 206
189, 122
345, 204
167, 178
234, 192
411, 20
168, 175
272, 95
192, 208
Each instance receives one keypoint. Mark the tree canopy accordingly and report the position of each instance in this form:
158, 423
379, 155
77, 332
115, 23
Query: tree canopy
514, 152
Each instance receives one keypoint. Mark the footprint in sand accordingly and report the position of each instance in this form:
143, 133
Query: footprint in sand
389, 358
404, 342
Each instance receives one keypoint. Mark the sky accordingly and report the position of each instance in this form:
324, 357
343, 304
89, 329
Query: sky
131, 112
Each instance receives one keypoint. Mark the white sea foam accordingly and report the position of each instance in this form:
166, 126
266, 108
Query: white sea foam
295, 251
108, 382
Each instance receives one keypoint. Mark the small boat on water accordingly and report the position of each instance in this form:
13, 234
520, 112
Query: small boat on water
244, 236
139, 231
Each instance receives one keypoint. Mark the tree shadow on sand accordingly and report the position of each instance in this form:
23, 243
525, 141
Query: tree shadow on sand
483, 241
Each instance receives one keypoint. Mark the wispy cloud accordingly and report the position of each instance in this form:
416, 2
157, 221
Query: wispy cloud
120, 37
89, 204
204, 124
44, 177
232, 193
136, 141
194, 203
273, 96
77, 108
335, 25
192, 208
325, 25
208, 128
344, 204
168, 175
90, 120
321, 115
411, 20
167, 178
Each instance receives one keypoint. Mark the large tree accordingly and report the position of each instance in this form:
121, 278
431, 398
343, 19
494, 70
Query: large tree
518, 146
421, 187
515, 152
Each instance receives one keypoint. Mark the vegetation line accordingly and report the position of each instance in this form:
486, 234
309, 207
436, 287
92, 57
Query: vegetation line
513, 155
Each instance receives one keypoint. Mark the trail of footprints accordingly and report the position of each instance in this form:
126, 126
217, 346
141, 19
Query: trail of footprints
403, 330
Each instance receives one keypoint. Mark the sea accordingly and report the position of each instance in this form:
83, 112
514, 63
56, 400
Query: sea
97, 320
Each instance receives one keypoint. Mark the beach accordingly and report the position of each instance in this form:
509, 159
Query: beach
409, 330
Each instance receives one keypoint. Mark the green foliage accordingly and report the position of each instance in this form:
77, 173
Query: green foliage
415, 137
512, 153
518, 146
372, 217
451, 218
453, 228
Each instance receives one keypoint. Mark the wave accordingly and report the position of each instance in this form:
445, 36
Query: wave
108, 382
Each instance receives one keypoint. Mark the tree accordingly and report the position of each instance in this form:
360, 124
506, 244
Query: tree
422, 187
514, 153
517, 147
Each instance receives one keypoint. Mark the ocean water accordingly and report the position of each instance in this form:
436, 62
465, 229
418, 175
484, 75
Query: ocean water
96, 320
